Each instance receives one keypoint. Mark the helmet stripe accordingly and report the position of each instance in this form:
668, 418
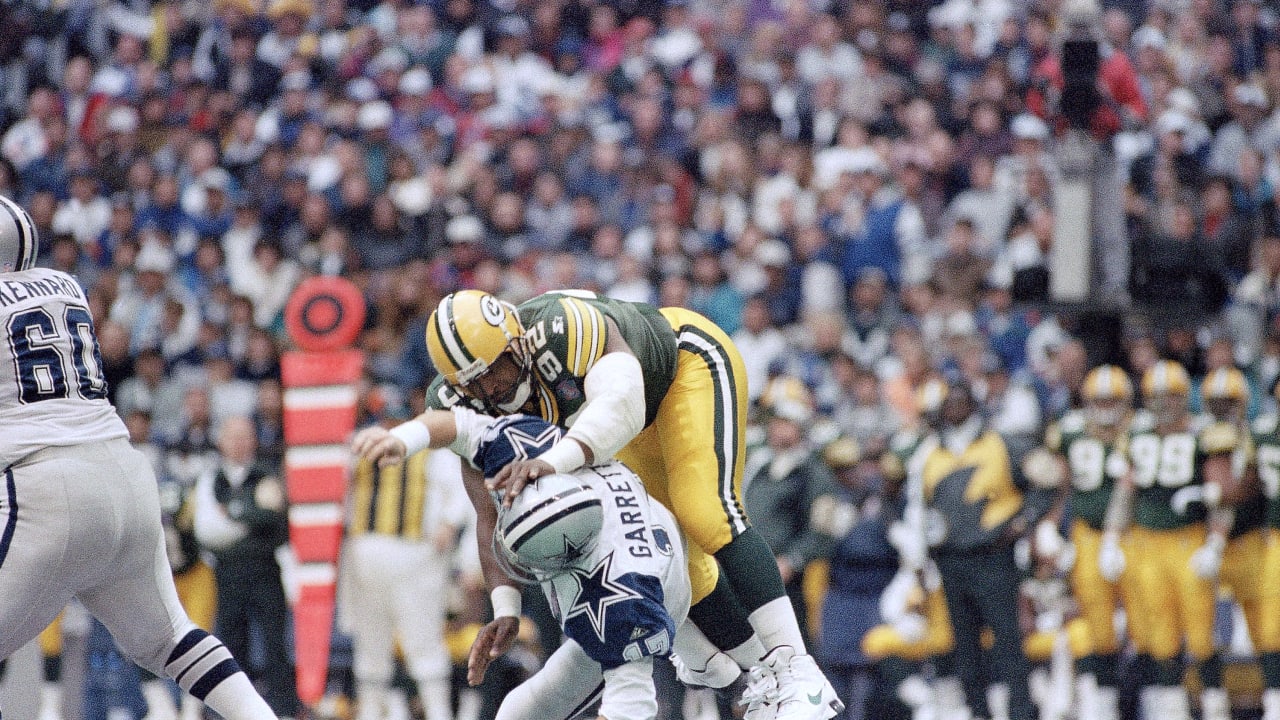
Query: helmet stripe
21, 262
448, 335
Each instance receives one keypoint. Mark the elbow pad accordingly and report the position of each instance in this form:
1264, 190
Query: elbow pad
614, 411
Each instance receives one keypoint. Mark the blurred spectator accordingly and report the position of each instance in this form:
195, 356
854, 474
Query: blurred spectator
786, 484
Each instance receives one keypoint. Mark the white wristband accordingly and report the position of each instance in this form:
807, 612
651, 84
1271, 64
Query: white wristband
565, 456
414, 435
506, 601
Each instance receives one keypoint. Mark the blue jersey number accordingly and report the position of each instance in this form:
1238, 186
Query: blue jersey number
40, 354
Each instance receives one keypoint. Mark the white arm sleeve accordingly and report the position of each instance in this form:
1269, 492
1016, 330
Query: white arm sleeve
470, 426
614, 411
629, 692
213, 528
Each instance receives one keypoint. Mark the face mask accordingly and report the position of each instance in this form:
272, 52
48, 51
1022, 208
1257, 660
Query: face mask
518, 398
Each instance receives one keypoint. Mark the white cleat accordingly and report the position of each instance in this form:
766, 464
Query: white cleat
803, 691
761, 695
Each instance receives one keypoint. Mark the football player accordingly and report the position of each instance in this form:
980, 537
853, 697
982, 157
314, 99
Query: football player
664, 391
80, 510
1225, 393
1266, 458
1175, 557
610, 560
1090, 444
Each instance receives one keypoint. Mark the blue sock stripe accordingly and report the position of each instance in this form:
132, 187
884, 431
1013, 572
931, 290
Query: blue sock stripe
188, 641
213, 678
178, 678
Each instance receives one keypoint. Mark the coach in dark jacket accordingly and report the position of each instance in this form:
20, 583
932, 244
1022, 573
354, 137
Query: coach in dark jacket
241, 521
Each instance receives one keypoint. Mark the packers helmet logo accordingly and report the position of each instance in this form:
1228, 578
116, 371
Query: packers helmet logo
491, 309
1165, 378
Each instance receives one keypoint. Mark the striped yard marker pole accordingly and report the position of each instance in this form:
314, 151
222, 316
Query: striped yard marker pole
324, 316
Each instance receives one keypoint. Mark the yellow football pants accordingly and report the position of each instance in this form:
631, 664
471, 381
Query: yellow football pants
198, 593
51, 638
884, 641
1099, 599
691, 456
1038, 647
1268, 638
1241, 575
1177, 604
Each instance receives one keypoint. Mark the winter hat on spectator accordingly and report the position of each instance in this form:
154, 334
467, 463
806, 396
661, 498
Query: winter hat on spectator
216, 178
1172, 121
512, 26
1029, 127
361, 90
374, 115
411, 197
1251, 95
123, 119
464, 229
390, 59
154, 257
1149, 37
417, 81
296, 80
773, 253
1184, 101
477, 81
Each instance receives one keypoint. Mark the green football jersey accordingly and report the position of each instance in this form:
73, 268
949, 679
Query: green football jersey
1093, 465
1266, 442
1167, 470
565, 333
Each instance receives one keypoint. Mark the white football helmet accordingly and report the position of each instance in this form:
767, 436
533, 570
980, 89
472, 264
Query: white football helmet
550, 526
19, 241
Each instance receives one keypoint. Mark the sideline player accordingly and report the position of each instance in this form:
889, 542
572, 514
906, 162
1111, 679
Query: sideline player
1091, 444
665, 392
1266, 440
1175, 557
80, 508
617, 583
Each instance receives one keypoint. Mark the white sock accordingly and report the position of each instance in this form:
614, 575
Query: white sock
748, 654
236, 699
469, 702
1271, 704
436, 698
50, 701
1214, 704
371, 697
775, 623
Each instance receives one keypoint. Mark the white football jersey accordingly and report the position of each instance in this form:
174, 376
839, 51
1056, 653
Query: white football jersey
52, 390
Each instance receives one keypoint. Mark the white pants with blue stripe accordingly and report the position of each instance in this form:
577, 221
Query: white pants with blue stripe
84, 521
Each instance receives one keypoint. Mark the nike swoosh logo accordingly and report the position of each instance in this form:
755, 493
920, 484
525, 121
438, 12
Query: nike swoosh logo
816, 699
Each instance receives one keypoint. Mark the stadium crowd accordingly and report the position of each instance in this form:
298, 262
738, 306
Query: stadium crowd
862, 194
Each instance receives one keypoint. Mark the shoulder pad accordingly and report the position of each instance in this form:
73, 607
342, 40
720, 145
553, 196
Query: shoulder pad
1143, 422
1219, 438
1043, 469
1265, 425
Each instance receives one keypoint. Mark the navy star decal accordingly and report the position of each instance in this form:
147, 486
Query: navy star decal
571, 552
596, 592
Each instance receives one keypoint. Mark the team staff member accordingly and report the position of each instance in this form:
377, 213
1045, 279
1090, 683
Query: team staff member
240, 517
1091, 444
664, 392
403, 529
1174, 457
975, 495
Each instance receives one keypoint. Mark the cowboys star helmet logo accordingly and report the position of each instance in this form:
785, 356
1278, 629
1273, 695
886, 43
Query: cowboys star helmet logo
596, 592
